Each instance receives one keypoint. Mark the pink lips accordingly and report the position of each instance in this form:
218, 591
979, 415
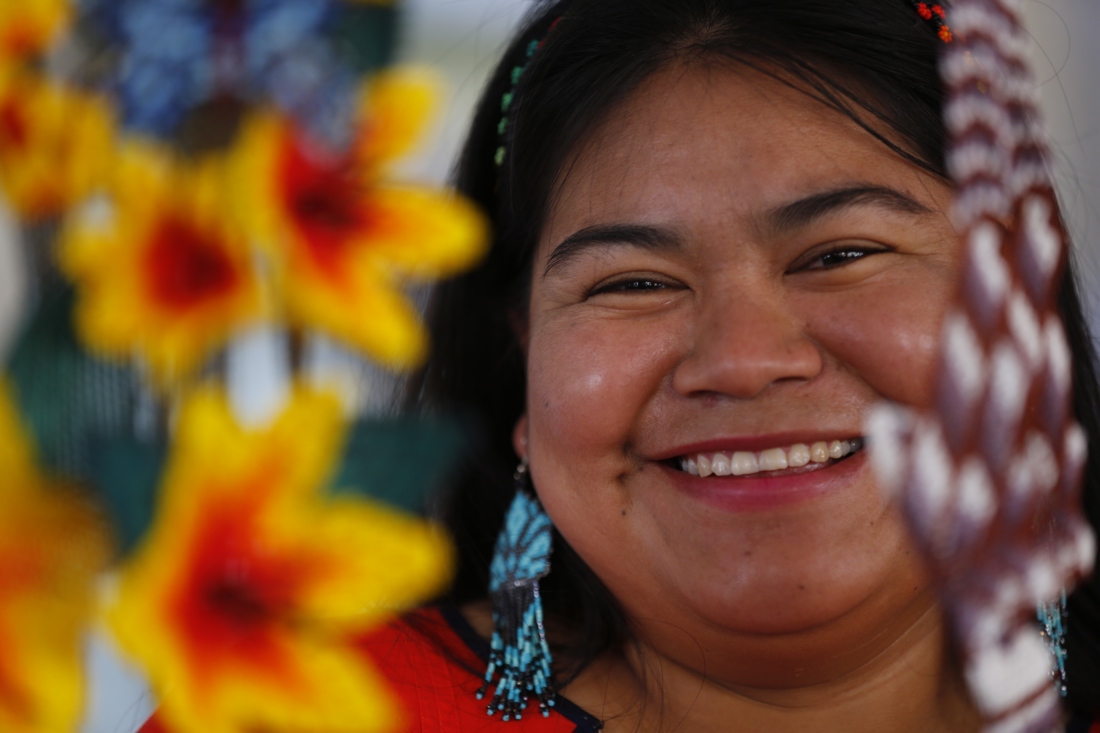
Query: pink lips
758, 492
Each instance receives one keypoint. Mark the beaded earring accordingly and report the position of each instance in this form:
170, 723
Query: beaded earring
519, 657
1052, 616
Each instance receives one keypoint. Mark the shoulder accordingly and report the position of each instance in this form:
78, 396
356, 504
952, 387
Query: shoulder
432, 662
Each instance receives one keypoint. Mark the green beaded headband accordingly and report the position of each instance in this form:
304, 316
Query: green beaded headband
509, 96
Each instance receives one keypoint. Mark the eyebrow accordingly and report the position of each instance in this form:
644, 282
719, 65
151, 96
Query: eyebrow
784, 218
636, 235
806, 211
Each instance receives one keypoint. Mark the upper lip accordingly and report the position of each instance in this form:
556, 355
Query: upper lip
753, 443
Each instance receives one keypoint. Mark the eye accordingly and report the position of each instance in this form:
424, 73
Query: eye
837, 256
629, 285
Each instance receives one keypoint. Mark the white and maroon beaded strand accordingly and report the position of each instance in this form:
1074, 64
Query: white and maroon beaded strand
989, 477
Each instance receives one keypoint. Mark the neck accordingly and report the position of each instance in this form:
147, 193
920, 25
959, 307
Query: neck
823, 680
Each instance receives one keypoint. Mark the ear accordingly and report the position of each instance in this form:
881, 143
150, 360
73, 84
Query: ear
519, 436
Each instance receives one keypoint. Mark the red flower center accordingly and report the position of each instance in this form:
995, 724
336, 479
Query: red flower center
14, 130
325, 209
235, 600
235, 606
186, 266
325, 202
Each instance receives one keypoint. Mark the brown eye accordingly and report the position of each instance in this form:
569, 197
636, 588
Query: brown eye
839, 257
636, 284
833, 259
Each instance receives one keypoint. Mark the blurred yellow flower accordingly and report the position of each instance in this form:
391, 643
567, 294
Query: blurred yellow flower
240, 600
162, 273
28, 27
54, 143
344, 241
51, 546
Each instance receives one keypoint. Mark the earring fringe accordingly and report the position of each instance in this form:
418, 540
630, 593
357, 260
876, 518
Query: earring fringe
519, 657
1052, 615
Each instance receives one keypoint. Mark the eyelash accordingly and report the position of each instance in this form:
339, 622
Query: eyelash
843, 254
630, 284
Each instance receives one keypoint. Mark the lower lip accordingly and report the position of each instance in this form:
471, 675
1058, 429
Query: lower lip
761, 492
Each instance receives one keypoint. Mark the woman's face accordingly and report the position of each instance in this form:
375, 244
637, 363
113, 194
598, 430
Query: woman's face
733, 268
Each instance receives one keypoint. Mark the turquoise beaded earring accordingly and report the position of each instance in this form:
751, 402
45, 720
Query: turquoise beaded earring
519, 657
1052, 616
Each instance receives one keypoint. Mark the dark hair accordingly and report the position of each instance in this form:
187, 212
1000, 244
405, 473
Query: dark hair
874, 60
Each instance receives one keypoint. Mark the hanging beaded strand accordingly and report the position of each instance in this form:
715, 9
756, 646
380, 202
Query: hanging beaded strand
989, 475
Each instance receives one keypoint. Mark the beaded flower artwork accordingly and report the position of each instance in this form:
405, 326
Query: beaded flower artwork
185, 174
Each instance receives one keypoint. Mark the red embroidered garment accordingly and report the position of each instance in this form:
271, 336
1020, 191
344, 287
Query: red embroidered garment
434, 661
430, 661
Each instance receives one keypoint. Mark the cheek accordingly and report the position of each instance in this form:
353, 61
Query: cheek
889, 337
590, 380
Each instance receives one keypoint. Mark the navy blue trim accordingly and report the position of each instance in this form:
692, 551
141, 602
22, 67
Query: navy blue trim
585, 721
588, 723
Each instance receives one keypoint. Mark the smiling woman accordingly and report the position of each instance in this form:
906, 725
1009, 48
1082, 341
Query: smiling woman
780, 302
723, 235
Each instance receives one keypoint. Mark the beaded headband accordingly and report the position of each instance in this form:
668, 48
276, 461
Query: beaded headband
509, 96
935, 14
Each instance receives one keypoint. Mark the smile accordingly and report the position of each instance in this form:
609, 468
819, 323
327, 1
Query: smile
743, 463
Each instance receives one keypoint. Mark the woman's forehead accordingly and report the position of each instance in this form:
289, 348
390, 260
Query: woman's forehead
721, 142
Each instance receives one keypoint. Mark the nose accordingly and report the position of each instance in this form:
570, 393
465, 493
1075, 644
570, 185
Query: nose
744, 342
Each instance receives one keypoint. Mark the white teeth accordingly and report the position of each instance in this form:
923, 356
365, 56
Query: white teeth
704, 465
773, 459
742, 463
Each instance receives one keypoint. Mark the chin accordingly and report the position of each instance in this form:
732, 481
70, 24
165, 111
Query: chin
757, 581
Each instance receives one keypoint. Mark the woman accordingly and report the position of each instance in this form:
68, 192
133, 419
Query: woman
722, 235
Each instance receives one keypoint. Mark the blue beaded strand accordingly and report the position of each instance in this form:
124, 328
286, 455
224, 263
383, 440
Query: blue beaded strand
1052, 616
